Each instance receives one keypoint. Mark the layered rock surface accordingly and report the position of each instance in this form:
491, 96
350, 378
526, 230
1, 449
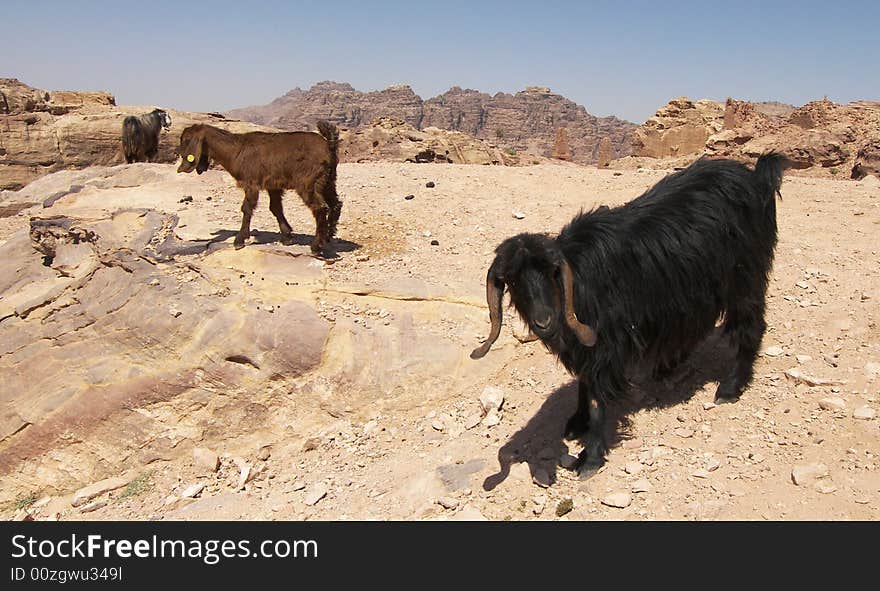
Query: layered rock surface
527, 121
821, 137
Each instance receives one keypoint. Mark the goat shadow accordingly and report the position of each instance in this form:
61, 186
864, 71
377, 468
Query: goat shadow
540, 442
331, 249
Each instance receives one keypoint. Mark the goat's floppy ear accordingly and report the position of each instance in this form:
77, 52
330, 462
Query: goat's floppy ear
200, 151
584, 332
494, 294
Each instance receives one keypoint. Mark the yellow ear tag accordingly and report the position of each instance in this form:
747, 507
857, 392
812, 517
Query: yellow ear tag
190, 158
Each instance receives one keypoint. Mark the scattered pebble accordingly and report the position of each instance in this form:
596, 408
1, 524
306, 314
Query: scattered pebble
803, 475
409, 197
774, 351
205, 459
632, 468
798, 376
447, 502
472, 421
641, 485
864, 413
430, 184
93, 506
619, 500
491, 398
315, 494
565, 506
491, 419
193, 490
832, 403
683, 433
518, 215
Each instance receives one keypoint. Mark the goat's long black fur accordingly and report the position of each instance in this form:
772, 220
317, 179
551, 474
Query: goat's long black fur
651, 278
140, 135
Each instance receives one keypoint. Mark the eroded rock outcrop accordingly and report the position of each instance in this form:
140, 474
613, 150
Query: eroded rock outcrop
819, 136
523, 122
43, 132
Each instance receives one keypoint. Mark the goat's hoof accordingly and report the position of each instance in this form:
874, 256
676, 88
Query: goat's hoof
238, 245
726, 395
287, 240
589, 469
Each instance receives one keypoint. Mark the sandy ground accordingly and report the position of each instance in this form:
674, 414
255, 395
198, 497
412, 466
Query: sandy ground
430, 455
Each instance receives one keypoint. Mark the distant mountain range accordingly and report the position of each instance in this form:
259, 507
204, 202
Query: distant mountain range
528, 121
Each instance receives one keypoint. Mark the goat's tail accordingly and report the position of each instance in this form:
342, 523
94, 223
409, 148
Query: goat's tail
331, 134
768, 173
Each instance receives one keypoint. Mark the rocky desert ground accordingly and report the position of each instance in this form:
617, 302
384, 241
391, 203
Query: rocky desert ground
151, 371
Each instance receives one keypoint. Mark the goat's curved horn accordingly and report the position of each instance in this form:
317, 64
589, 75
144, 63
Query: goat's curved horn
584, 332
493, 298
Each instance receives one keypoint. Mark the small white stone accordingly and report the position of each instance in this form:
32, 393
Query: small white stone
491, 419
632, 468
315, 494
641, 485
619, 500
491, 398
193, 490
773, 351
832, 403
864, 413
447, 502
804, 474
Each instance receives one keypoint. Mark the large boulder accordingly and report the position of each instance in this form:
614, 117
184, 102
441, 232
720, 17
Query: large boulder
680, 127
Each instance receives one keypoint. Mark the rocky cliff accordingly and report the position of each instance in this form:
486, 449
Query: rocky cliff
527, 121
821, 137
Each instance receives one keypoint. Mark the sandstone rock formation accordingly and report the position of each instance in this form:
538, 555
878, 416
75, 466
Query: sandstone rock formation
131, 332
605, 153
43, 132
523, 122
560, 145
681, 127
394, 140
820, 137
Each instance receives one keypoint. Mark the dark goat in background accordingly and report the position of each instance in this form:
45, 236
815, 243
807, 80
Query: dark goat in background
646, 281
300, 160
140, 135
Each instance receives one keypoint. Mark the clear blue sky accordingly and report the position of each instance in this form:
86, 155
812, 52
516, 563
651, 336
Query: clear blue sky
615, 58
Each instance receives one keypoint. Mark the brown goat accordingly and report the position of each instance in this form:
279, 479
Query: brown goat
300, 160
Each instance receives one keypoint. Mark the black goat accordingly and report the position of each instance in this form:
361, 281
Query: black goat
646, 281
140, 135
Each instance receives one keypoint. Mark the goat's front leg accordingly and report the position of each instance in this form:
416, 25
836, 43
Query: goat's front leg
592, 457
247, 210
277, 210
578, 423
